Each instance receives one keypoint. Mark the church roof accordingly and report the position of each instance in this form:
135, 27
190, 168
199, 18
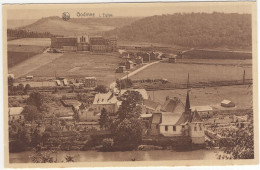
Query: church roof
171, 104
189, 117
195, 117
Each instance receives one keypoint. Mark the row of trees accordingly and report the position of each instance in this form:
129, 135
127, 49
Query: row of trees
124, 83
19, 33
19, 89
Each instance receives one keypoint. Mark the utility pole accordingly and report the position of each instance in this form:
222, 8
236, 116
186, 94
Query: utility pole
244, 76
188, 81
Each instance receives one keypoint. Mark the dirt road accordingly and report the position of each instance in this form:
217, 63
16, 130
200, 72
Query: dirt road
113, 84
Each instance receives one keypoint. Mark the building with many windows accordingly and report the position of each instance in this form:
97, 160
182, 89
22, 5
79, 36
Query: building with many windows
85, 43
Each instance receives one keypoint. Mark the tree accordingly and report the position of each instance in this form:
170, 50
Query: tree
104, 119
69, 158
101, 89
36, 137
10, 84
43, 157
26, 88
127, 127
125, 83
19, 139
31, 113
130, 107
35, 99
107, 144
128, 133
240, 145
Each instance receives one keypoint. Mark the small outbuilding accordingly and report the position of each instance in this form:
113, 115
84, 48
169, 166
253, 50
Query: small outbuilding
227, 103
129, 64
172, 59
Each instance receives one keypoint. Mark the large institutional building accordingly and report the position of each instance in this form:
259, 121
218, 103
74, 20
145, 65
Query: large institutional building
85, 43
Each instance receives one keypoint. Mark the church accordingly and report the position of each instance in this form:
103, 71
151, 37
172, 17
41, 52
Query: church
179, 120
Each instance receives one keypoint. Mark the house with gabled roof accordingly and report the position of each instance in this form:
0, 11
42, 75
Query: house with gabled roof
15, 114
107, 101
151, 106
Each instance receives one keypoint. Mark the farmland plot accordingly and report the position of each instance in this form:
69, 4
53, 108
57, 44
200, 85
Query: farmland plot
32, 63
177, 73
31, 41
240, 95
78, 65
19, 53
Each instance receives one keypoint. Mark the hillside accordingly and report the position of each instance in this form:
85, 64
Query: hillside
16, 23
77, 26
191, 30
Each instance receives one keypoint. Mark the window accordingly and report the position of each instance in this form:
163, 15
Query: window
20, 117
166, 128
157, 126
174, 128
195, 128
183, 126
200, 128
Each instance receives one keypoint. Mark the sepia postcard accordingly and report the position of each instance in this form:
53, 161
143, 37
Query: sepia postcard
130, 84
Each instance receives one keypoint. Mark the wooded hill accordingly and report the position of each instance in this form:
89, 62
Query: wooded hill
77, 26
206, 30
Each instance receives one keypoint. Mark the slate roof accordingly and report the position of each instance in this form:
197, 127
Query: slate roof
156, 118
105, 98
151, 104
185, 117
189, 117
195, 117
171, 104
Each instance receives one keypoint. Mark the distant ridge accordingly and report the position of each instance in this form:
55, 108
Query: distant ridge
204, 30
77, 26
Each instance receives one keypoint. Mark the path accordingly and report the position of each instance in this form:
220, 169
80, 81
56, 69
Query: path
113, 84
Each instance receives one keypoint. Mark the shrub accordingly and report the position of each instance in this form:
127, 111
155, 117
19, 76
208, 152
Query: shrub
107, 144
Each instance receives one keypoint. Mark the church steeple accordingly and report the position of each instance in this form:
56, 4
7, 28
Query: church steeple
187, 105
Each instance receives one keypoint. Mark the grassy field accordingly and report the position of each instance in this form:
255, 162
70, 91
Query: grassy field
240, 95
177, 73
19, 53
210, 54
247, 62
20, 50
31, 41
78, 65
32, 63
15, 58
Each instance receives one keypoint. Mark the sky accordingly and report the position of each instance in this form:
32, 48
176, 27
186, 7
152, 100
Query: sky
21, 12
